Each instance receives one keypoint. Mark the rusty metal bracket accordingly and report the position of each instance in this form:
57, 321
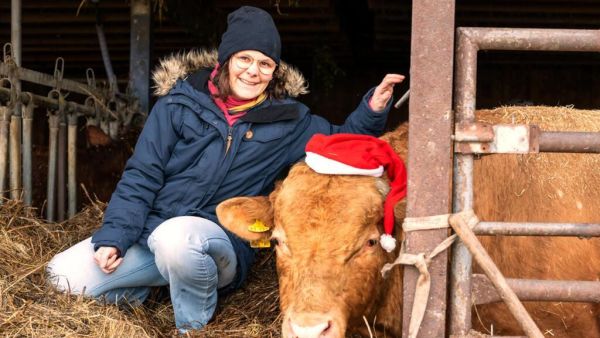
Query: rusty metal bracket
59, 69
7, 53
11, 99
484, 138
90, 78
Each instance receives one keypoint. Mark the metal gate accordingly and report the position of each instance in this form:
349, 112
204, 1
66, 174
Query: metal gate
431, 128
472, 138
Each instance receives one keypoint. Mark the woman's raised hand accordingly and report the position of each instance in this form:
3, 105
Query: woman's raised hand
383, 92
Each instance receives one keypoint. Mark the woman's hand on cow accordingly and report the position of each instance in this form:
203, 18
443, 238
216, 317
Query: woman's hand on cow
107, 258
383, 92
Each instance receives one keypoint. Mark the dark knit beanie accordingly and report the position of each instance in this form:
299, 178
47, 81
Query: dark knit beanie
250, 28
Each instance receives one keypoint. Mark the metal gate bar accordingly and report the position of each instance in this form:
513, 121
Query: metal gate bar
485, 138
569, 142
536, 289
33, 76
469, 42
537, 229
43, 101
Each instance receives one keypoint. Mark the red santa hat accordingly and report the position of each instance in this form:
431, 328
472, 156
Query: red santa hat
350, 154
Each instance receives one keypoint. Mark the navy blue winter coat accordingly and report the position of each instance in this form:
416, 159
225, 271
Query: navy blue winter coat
181, 164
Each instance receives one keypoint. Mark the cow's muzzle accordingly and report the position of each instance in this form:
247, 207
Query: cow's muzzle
312, 325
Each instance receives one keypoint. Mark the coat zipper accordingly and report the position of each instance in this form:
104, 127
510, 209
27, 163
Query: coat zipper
229, 138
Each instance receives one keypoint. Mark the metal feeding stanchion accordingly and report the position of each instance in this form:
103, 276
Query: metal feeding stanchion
4, 118
109, 108
111, 111
53, 124
15, 126
72, 163
15, 153
56, 152
27, 148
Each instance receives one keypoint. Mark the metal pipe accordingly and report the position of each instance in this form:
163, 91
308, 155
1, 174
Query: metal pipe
33, 76
466, 78
72, 164
110, 74
462, 261
139, 64
4, 118
46, 102
537, 290
459, 224
430, 129
27, 148
15, 123
53, 121
402, 100
113, 129
538, 229
566, 40
15, 25
569, 142
15, 156
61, 186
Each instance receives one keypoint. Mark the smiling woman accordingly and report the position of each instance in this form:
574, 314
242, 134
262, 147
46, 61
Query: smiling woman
249, 74
227, 125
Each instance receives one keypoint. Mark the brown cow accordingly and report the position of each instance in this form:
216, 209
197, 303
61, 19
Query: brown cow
326, 228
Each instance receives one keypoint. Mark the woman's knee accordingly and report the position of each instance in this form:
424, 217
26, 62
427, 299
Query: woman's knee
181, 246
186, 262
67, 271
176, 237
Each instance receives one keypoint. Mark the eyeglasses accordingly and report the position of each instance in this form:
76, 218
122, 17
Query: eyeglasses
244, 61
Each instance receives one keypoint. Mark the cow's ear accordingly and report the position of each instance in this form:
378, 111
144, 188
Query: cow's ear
238, 214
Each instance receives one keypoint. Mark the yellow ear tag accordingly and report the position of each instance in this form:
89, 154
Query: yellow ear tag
260, 243
258, 226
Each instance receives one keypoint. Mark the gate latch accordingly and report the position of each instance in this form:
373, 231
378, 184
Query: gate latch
485, 138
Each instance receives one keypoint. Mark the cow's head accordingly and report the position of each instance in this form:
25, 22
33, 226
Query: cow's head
326, 230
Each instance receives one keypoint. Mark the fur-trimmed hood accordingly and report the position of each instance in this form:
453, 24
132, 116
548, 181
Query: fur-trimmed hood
180, 65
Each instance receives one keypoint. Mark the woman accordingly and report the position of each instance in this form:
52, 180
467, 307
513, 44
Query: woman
225, 126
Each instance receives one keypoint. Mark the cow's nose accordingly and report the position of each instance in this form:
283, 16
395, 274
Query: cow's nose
322, 328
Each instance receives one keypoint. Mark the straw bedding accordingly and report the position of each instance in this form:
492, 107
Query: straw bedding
31, 308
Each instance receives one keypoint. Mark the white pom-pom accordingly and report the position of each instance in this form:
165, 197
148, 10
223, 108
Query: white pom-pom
388, 243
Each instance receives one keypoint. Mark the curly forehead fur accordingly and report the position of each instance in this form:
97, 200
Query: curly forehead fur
324, 196
180, 65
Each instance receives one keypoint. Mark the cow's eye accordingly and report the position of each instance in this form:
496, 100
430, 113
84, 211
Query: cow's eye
371, 242
274, 241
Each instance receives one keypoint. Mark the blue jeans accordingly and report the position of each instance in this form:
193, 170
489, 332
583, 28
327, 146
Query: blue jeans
191, 254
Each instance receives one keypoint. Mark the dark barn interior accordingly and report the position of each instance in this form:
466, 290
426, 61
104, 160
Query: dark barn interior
342, 47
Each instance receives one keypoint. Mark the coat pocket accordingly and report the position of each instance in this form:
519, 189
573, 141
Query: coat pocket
193, 128
264, 133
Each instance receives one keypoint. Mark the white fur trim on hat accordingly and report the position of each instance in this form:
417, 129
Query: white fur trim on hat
388, 243
324, 165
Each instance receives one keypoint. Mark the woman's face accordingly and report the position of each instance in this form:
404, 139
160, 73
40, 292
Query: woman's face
250, 72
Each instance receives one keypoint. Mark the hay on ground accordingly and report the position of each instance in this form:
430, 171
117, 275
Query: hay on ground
29, 307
